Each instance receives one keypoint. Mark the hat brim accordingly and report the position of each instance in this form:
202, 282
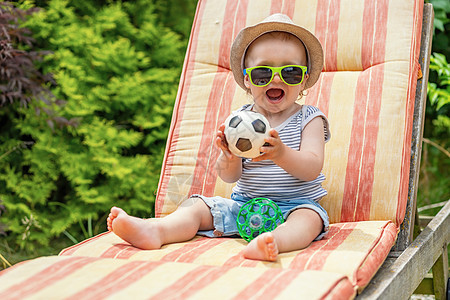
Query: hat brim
247, 35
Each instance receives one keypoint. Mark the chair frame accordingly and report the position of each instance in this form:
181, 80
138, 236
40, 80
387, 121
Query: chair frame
411, 259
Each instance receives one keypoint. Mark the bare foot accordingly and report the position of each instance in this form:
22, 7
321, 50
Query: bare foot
140, 233
263, 247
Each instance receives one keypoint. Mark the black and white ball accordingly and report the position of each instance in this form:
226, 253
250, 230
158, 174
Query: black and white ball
245, 132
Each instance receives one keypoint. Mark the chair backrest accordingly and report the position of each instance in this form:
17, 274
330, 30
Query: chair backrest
366, 89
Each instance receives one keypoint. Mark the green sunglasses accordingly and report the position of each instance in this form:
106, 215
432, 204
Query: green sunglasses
263, 75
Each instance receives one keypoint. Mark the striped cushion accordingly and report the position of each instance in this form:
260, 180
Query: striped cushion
354, 249
94, 278
367, 91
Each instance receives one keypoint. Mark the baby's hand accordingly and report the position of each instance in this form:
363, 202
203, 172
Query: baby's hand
222, 144
273, 148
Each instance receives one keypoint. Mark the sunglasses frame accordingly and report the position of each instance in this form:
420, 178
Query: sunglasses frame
274, 70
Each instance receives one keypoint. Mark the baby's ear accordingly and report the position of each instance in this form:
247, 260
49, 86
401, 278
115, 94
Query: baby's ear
306, 77
247, 81
305, 80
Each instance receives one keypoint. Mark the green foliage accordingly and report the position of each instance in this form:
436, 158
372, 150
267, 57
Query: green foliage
116, 66
439, 95
177, 15
20, 81
434, 184
441, 40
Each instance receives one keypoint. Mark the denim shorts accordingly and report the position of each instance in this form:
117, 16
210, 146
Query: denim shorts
225, 212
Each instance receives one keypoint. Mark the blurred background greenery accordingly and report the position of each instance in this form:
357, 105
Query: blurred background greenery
93, 134
434, 184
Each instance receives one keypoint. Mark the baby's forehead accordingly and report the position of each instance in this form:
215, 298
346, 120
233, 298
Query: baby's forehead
266, 39
282, 35
279, 35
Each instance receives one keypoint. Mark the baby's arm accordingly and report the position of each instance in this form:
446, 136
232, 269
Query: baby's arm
305, 163
228, 165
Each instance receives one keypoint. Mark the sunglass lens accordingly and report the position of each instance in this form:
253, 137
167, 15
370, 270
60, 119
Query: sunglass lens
261, 76
292, 75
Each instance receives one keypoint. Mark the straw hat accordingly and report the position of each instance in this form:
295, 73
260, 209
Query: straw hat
276, 22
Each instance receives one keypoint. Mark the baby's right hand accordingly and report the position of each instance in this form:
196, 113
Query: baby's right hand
222, 144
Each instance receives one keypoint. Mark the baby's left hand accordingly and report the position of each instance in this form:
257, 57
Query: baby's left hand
274, 150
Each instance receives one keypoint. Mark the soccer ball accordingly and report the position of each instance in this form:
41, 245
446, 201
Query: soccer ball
245, 132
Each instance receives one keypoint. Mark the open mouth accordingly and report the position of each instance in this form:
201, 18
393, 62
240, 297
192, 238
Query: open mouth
275, 95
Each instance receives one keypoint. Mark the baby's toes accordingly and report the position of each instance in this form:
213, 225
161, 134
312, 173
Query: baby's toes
109, 222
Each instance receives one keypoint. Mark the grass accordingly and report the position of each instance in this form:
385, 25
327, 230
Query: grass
10, 256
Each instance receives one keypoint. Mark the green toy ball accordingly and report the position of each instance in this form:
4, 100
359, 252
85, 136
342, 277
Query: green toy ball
257, 216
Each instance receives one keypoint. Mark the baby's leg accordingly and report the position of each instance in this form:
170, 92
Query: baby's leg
182, 225
299, 230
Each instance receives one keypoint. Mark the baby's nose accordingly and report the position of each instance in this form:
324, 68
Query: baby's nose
277, 77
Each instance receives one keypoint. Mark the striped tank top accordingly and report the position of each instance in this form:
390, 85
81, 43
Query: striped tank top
267, 179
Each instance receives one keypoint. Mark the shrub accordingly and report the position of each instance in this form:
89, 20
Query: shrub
116, 68
434, 180
20, 80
